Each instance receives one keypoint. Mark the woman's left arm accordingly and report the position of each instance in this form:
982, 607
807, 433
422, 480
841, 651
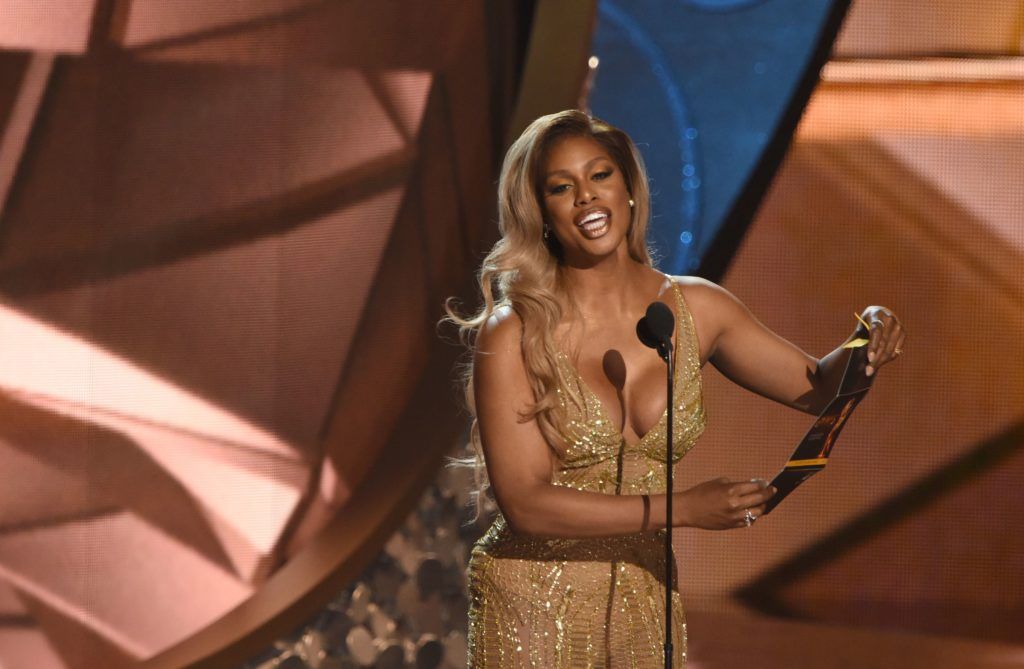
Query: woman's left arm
751, 355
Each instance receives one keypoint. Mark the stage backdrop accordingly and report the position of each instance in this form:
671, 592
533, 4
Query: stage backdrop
227, 230
902, 187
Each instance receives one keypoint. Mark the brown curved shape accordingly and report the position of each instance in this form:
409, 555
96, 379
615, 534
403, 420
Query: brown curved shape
392, 483
340, 552
223, 343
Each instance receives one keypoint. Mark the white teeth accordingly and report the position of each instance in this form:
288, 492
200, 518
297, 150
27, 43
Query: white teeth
594, 224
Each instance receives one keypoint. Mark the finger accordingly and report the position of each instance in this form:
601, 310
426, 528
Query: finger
757, 511
740, 519
899, 344
891, 344
875, 339
739, 489
756, 498
750, 516
894, 342
886, 342
897, 348
884, 325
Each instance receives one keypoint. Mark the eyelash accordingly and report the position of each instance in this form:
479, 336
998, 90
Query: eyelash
603, 174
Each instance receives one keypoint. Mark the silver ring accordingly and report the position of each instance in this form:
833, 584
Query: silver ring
880, 322
749, 518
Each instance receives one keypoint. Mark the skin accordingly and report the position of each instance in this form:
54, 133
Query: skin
611, 292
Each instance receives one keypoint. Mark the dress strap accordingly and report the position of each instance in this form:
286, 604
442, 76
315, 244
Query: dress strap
685, 326
680, 310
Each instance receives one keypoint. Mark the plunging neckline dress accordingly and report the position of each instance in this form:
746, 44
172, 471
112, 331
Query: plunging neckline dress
555, 603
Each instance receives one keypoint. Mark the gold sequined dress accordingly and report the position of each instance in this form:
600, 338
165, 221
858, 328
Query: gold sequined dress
554, 603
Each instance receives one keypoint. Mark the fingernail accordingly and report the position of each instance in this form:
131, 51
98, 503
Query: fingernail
869, 370
871, 355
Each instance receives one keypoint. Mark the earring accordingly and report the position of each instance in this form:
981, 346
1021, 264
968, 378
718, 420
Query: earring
631, 203
547, 232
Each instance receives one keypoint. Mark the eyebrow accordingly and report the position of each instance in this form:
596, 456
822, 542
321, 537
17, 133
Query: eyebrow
588, 164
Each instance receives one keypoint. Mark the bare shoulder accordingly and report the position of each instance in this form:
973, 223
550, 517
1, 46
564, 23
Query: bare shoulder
705, 298
714, 311
499, 371
694, 285
501, 333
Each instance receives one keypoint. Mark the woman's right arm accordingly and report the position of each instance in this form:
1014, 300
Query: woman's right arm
519, 462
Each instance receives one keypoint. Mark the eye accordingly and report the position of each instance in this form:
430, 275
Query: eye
560, 188
603, 174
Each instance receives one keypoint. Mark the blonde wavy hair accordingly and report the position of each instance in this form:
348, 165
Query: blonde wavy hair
523, 270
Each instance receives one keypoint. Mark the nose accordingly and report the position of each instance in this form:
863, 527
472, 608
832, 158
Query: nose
584, 196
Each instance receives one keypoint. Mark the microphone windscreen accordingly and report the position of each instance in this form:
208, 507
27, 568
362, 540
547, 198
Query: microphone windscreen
643, 333
660, 321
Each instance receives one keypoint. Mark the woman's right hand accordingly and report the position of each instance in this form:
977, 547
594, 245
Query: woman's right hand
721, 504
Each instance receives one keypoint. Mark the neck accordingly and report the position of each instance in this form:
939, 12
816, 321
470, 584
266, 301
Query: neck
610, 289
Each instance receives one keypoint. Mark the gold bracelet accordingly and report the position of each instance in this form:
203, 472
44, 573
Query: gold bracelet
647, 513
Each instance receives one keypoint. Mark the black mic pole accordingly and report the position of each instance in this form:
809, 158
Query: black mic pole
671, 359
655, 331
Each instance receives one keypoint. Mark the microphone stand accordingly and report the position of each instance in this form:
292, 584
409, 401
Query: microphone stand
655, 331
665, 353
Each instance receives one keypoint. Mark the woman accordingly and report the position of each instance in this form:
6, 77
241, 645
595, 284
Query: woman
570, 413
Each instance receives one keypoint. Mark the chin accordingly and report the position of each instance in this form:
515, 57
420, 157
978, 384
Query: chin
603, 246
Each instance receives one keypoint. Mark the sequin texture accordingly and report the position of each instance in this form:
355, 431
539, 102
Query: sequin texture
543, 602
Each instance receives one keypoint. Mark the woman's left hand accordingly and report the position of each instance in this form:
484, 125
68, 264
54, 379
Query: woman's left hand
886, 338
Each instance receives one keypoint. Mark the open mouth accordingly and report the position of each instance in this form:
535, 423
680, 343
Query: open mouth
594, 224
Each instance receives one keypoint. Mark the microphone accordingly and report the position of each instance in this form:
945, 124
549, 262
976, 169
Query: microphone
655, 329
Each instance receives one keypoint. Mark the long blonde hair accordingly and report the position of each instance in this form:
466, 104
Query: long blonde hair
522, 272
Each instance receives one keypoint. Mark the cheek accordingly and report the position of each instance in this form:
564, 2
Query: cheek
555, 209
618, 185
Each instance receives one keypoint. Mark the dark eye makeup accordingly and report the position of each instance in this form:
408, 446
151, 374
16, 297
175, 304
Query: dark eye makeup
561, 188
